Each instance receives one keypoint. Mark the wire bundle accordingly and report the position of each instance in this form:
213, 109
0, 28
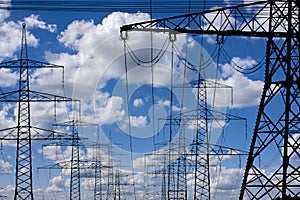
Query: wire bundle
167, 6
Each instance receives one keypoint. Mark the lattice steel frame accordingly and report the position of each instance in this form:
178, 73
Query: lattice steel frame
278, 21
25, 131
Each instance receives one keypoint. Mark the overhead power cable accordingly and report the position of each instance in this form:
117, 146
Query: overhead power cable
167, 6
153, 60
241, 69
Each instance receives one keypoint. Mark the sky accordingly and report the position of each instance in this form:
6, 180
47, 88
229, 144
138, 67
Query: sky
125, 98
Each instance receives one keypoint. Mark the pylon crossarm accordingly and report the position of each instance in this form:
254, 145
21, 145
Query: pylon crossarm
33, 64
223, 150
218, 150
11, 96
83, 164
34, 96
36, 134
227, 21
9, 133
42, 96
46, 134
191, 115
58, 165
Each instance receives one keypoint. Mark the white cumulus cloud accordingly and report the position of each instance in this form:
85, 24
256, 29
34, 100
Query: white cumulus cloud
138, 102
137, 121
246, 92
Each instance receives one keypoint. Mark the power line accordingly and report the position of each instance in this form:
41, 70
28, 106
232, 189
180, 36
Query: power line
111, 6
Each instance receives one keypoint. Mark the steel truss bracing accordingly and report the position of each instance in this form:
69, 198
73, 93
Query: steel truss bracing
277, 125
277, 128
75, 164
75, 169
24, 132
98, 169
189, 156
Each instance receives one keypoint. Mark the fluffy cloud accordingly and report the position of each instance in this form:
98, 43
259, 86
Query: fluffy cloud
9, 44
8, 78
10, 30
137, 121
33, 21
97, 58
138, 102
3, 12
167, 103
226, 181
246, 92
57, 184
104, 109
5, 167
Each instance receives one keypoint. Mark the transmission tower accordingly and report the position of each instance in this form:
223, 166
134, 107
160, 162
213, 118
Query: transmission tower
98, 167
178, 189
75, 163
277, 125
25, 131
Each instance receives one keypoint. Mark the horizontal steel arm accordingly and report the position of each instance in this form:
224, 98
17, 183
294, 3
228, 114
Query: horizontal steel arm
30, 63
35, 96
227, 21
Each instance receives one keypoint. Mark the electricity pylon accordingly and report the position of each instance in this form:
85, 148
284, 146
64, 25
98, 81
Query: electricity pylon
178, 189
277, 126
24, 132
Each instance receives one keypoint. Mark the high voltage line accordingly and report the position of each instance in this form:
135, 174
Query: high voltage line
110, 6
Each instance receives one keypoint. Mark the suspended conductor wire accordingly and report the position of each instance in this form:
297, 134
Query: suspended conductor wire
153, 60
190, 65
219, 44
129, 121
64, 93
152, 79
171, 117
181, 140
109, 6
241, 69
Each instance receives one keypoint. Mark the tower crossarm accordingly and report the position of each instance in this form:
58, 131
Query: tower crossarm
35, 96
32, 64
226, 21
84, 164
37, 134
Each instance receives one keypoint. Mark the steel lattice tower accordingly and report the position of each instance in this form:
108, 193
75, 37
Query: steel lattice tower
25, 131
75, 169
23, 189
277, 128
75, 164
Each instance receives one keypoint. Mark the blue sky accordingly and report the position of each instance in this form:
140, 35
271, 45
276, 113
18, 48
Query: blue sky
88, 45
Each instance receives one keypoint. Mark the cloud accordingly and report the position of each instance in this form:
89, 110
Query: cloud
6, 118
3, 12
53, 153
138, 102
33, 21
5, 167
97, 58
57, 184
9, 44
8, 78
167, 103
138, 121
246, 92
10, 31
98, 53
105, 109
226, 181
